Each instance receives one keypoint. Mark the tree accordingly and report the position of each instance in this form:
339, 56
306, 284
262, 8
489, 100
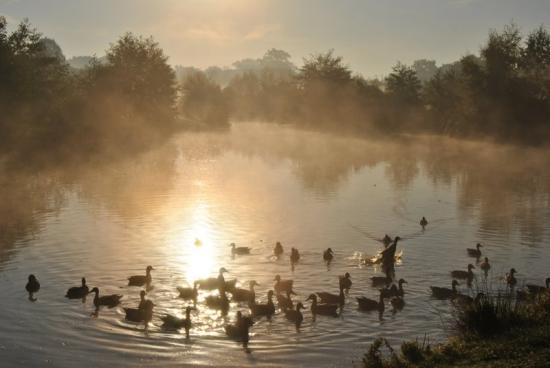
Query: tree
403, 85
203, 102
424, 69
324, 68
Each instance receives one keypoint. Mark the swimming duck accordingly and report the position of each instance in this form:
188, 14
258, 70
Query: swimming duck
143, 313
174, 323
328, 255
32, 286
423, 222
213, 283
78, 292
295, 315
345, 281
537, 289
278, 250
283, 286
510, 278
485, 266
266, 310
284, 302
381, 280
240, 330
475, 252
394, 290
329, 298
239, 250
444, 293
141, 280
367, 304
244, 295
322, 309
294, 255
188, 293
218, 302
106, 300
460, 274
397, 302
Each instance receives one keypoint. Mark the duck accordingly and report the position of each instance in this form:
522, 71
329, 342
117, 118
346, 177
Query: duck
283, 286
329, 298
240, 330
395, 290
397, 302
110, 301
143, 313
485, 266
381, 280
295, 315
141, 280
239, 250
386, 240
345, 281
510, 278
284, 302
218, 302
328, 255
322, 309
278, 250
294, 255
475, 252
244, 295
266, 310
387, 256
213, 283
423, 222
460, 274
367, 304
537, 289
78, 292
171, 322
32, 286
445, 293
188, 293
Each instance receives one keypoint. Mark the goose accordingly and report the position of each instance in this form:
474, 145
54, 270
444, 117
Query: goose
171, 322
387, 256
475, 252
381, 280
294, 255
423, 222
322, 309
394, 290
460, 274
295, 315
239, 250
485, 266
141, 280
386, 240
329, 298
106, 300
213, 283
32, 286
283, 286
278, 250
266, 310
367, 304
444, 293
537, 289
345, 281
284, 302
240, 330
78, 292
218, 302
397, 302
328, 255
244, 295
188, 293
510, 278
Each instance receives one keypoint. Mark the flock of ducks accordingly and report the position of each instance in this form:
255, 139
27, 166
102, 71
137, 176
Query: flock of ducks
322, 303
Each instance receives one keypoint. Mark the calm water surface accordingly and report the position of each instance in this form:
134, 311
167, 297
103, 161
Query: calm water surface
256, 185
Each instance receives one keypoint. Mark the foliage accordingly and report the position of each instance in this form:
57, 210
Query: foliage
203, 102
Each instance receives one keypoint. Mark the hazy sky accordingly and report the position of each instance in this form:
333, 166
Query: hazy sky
370, 34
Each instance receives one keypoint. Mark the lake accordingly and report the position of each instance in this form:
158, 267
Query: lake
255, 185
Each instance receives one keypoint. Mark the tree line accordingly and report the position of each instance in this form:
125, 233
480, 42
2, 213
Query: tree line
134, 97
